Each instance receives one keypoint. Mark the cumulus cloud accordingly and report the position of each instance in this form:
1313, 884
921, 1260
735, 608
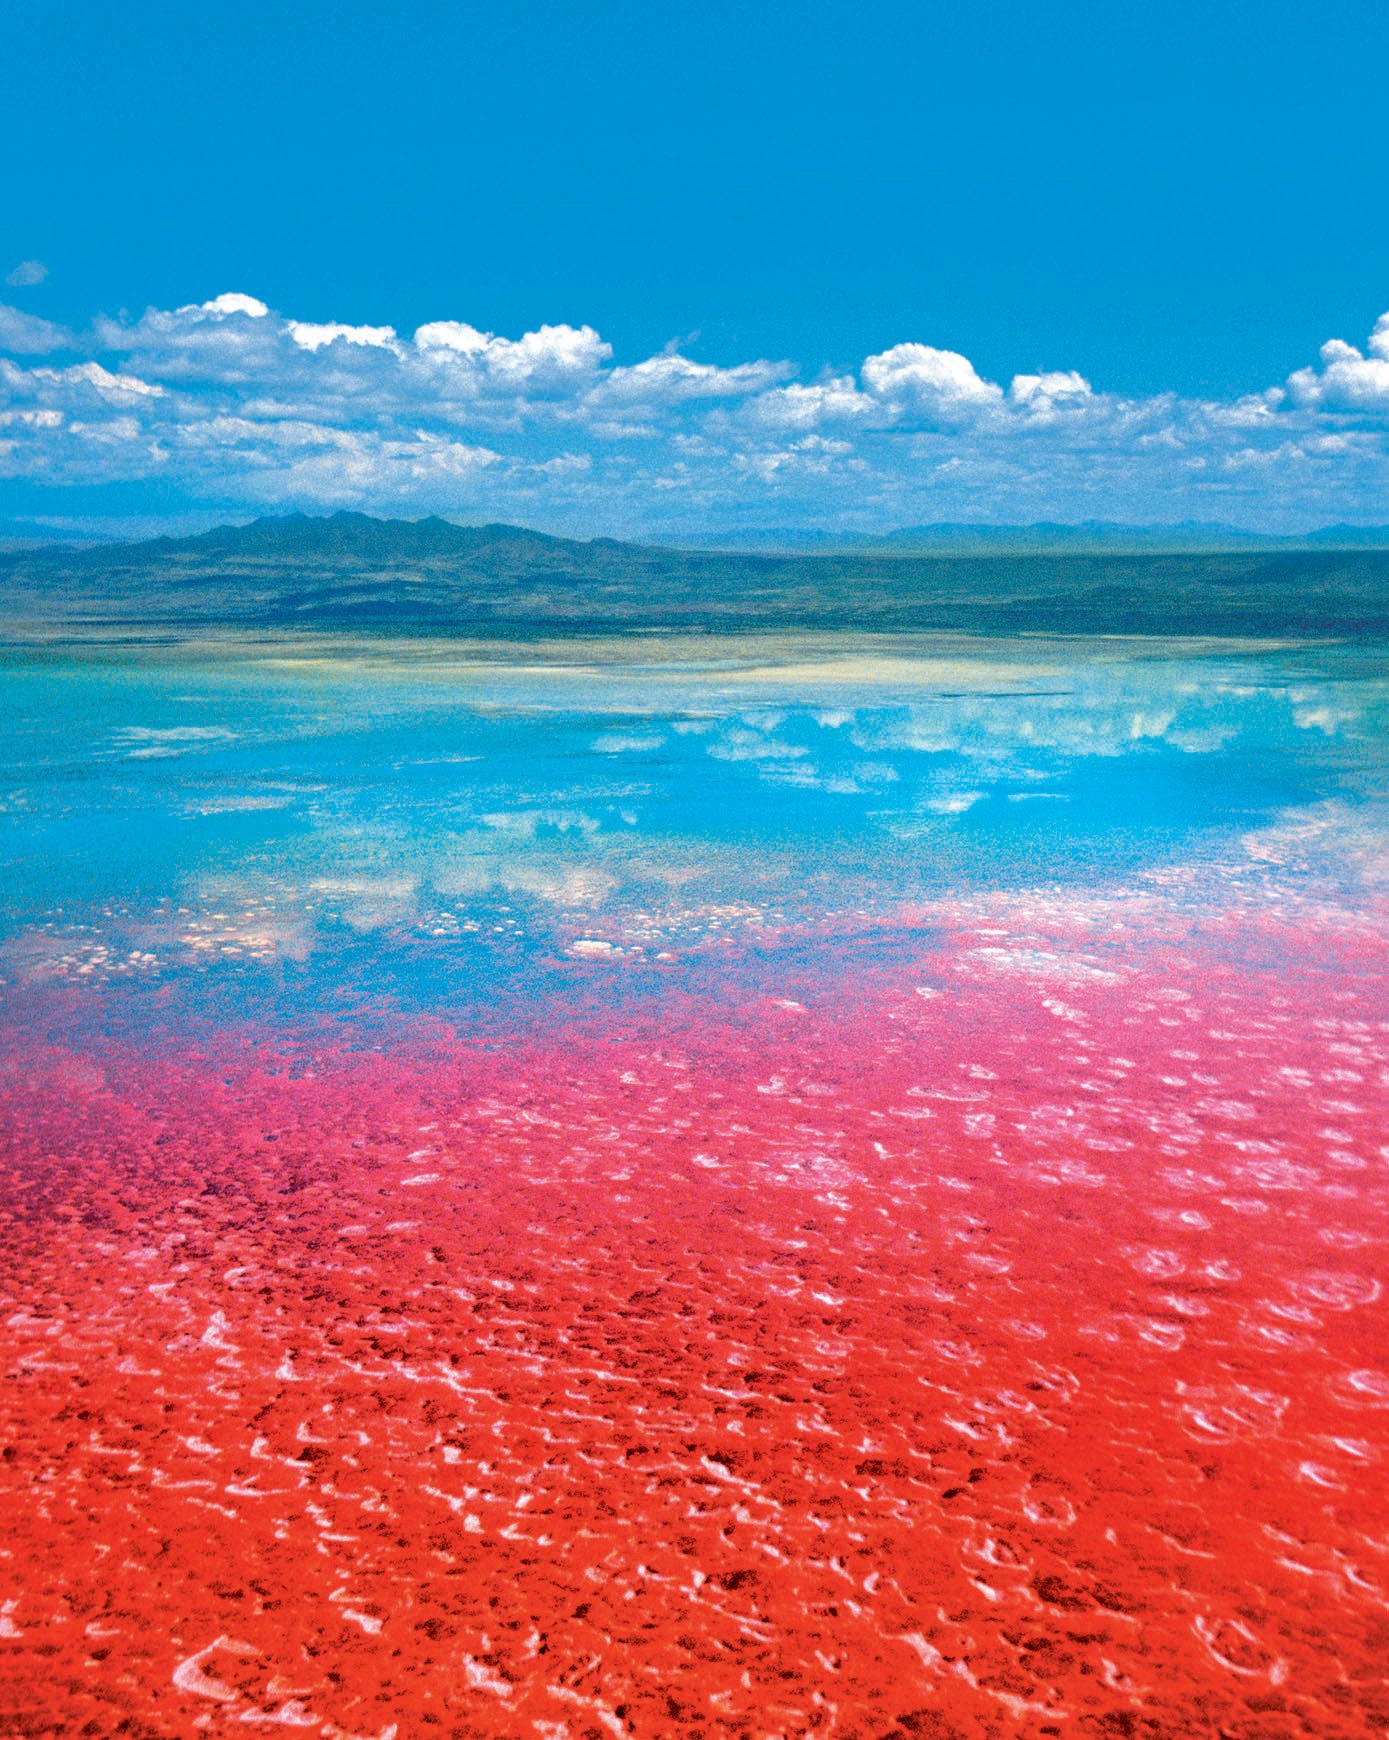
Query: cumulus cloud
312, 335
928, 386
1043, 392
232, 302
551, 360
27, 273
671, 379
1348, 380
235, 403
26, 335
836, 399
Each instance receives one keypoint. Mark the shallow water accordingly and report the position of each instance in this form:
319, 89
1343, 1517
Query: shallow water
474, 811
799, 1187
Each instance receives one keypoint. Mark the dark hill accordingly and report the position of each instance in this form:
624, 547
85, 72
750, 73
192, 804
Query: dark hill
344, 535
350, 571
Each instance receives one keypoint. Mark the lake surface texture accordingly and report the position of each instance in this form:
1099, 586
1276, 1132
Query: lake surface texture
776, 1187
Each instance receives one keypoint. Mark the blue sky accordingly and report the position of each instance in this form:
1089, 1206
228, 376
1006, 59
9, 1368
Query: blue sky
1176, 206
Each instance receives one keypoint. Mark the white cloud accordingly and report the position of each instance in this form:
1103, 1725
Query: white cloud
1046, 390
236, 403
552, 359
923, 384
455, 335
27, 273
222, 344
311, 335
26, 335
1349, 380
230, 302
115, 387
835, 400
341, 468
672, 379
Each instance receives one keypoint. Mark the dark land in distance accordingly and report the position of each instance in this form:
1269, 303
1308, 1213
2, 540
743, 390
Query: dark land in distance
352, 572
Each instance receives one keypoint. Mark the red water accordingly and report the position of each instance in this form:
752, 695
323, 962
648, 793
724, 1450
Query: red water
1008, 1360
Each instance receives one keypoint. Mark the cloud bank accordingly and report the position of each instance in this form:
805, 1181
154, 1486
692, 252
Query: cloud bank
235, 406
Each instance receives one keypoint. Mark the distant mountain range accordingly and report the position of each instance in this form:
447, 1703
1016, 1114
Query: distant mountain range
353, 572
356, 533
344, 534
968, 537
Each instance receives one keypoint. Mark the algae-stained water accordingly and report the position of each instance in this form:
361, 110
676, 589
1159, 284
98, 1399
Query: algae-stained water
801, 1186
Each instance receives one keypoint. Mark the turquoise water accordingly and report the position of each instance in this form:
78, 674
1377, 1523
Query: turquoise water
442, 823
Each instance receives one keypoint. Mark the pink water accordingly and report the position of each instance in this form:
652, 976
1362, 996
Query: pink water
982, 1341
